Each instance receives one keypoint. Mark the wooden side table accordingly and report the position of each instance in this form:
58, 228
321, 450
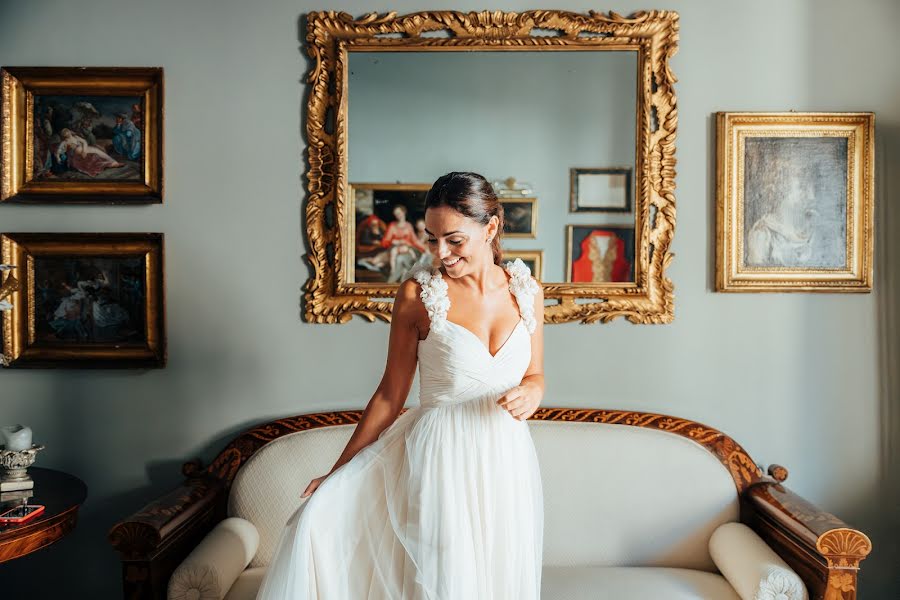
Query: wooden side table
62, 494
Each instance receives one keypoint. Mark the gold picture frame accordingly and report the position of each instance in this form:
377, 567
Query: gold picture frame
576, 202
85, 300
332, 297
533, 258
509, 218
795, 202
49, 153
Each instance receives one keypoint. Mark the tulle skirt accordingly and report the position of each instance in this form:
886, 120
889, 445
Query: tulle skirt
446, 504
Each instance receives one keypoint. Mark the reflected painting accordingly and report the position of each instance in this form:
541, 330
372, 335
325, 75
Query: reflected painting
519, 217
390, 236
599, 254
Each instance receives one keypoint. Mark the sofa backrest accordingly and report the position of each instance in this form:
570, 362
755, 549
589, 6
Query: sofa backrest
614, 495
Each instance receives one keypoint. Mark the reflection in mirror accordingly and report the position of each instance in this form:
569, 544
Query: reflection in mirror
562, 121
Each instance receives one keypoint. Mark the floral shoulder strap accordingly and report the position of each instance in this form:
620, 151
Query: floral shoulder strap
523, 287
433, 294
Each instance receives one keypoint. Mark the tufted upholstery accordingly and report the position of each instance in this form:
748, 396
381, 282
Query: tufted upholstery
614, 495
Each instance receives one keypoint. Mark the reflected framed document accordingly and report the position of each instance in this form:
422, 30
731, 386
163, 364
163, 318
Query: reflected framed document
600, 190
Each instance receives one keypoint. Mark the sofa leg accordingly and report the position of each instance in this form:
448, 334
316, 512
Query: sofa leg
843, 549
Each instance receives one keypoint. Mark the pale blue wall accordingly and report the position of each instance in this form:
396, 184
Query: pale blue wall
798, 379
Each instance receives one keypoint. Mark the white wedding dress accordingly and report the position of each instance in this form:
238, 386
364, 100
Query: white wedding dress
447, 503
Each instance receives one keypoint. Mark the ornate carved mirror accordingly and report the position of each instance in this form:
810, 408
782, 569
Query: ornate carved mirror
571, 116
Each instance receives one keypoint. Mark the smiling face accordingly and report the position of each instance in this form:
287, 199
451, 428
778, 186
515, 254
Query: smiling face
458, 241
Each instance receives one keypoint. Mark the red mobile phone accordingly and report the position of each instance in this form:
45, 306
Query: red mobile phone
22, 513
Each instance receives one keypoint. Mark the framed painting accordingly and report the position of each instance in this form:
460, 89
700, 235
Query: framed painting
81, 135
85, 300
794, 202
387, 237
533, 258
599, 254
519, 217
600, 190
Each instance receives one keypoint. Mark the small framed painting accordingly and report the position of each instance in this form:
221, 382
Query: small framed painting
81, 135
388, 233
794, 202
85, 300
599, 254
519, 217
533, 258
600, 190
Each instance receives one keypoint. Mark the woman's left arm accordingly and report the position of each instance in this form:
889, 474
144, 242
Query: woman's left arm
523, 400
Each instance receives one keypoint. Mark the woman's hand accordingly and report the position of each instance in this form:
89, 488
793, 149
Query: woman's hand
522, 401
313, 485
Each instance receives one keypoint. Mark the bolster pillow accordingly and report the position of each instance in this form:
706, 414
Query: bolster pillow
212, 567
753, 569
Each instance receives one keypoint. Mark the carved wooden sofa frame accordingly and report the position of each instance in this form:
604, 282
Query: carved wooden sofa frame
823, 550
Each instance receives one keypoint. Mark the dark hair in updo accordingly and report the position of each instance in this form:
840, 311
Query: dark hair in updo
473, 196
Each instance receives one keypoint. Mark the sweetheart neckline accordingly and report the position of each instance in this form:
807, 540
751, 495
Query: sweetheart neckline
477, 339
487, 349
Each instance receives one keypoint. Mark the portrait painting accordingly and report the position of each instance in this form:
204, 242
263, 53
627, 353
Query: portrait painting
600, 189
87, 137
792, 212
599, 254
85, 300
75, 135
389, 231
519, 217
795, 202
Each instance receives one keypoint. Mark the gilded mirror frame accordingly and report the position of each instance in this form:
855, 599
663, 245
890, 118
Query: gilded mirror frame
329, 298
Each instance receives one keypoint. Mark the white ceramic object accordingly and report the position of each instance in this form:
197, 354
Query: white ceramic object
16, 437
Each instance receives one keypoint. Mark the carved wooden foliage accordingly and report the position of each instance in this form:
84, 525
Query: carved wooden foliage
654, 34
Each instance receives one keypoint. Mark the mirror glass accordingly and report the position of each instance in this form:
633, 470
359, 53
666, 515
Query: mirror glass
554, 131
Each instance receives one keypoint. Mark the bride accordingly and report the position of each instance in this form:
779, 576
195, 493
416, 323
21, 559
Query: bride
443, 502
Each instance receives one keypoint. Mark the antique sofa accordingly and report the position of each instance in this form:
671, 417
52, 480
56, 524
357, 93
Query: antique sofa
636, 505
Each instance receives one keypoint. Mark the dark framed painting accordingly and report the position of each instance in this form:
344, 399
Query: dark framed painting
794, 202
534, 259
85, 300
600, 190
81, 135
519, 217
599, 254
388, 235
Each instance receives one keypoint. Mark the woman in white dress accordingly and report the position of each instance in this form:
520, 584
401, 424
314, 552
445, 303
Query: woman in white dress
443, 502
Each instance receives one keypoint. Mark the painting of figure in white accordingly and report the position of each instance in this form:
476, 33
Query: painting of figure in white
87, 138
89, 300
795, 202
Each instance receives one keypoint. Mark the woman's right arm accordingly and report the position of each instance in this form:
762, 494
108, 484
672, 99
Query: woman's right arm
387, 401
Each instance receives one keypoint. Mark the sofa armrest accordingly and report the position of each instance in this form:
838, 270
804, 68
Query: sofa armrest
213, 566
154, 540
821, 548
752, 568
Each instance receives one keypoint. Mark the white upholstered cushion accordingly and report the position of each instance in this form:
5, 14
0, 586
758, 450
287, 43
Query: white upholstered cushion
215, 563
614, 495
587, 583
246, 586
753, 569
